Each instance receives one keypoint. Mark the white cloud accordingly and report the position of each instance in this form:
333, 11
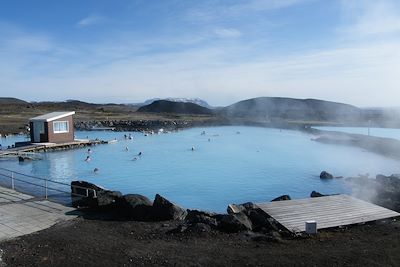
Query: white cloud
130, 68
262, 5
90, 20
359, 74
15, 38
227, 33
374, 17
208, 11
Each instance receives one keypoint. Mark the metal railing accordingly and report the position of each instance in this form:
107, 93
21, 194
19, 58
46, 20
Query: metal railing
47, 184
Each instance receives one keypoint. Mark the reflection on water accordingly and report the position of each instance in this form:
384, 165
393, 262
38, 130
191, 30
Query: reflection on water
11, 139
58, 167
225, 167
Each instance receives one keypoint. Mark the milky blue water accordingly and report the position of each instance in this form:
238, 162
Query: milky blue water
11, 139
257, 164
379, 132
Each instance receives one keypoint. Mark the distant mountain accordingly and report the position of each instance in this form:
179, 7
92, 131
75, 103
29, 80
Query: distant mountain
11, 101
68, 104
279, 108
196, 101
165, 106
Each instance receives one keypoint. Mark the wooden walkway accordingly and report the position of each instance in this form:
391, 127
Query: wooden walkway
329, 211
39, 147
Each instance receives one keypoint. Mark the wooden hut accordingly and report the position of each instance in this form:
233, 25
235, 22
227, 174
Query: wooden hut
54, 127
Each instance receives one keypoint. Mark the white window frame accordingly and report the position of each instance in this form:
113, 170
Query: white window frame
60, 131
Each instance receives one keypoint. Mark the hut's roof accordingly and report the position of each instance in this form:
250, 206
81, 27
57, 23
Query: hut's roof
53, 116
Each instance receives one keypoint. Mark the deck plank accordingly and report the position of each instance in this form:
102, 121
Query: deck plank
328, 211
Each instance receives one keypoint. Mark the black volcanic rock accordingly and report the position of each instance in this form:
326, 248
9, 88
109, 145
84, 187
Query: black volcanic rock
135, 206
316, 194
278, 108
163, 209
281, 198
164, 106
89, 195
233, 223
325, 175
196, 216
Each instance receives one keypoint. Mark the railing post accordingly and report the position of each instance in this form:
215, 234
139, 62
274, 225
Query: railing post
12, 181
45, 186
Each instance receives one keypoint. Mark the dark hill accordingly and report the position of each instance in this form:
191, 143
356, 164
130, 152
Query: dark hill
164, 106
279, 108
11, 101
65, 105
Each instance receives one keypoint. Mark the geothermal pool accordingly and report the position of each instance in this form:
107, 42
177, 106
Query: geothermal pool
230, 164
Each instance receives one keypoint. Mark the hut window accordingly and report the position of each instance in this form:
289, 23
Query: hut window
60, 127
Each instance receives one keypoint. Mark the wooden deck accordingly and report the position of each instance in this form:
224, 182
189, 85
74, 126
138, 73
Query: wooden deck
329, 211
39, 147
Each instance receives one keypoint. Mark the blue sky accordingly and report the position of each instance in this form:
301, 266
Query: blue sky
222, 51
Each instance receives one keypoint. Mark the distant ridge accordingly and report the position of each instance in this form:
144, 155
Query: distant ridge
11, 101
292, 109
68, 104
196, 101
165, 106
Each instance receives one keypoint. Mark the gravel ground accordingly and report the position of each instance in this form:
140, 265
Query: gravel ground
85, 242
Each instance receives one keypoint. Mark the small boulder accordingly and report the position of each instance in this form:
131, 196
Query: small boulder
325, 175
262, 221
135, 206
316, 194
163, 210
282, 198
107, 197
233, 209
195, 217
233, 223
